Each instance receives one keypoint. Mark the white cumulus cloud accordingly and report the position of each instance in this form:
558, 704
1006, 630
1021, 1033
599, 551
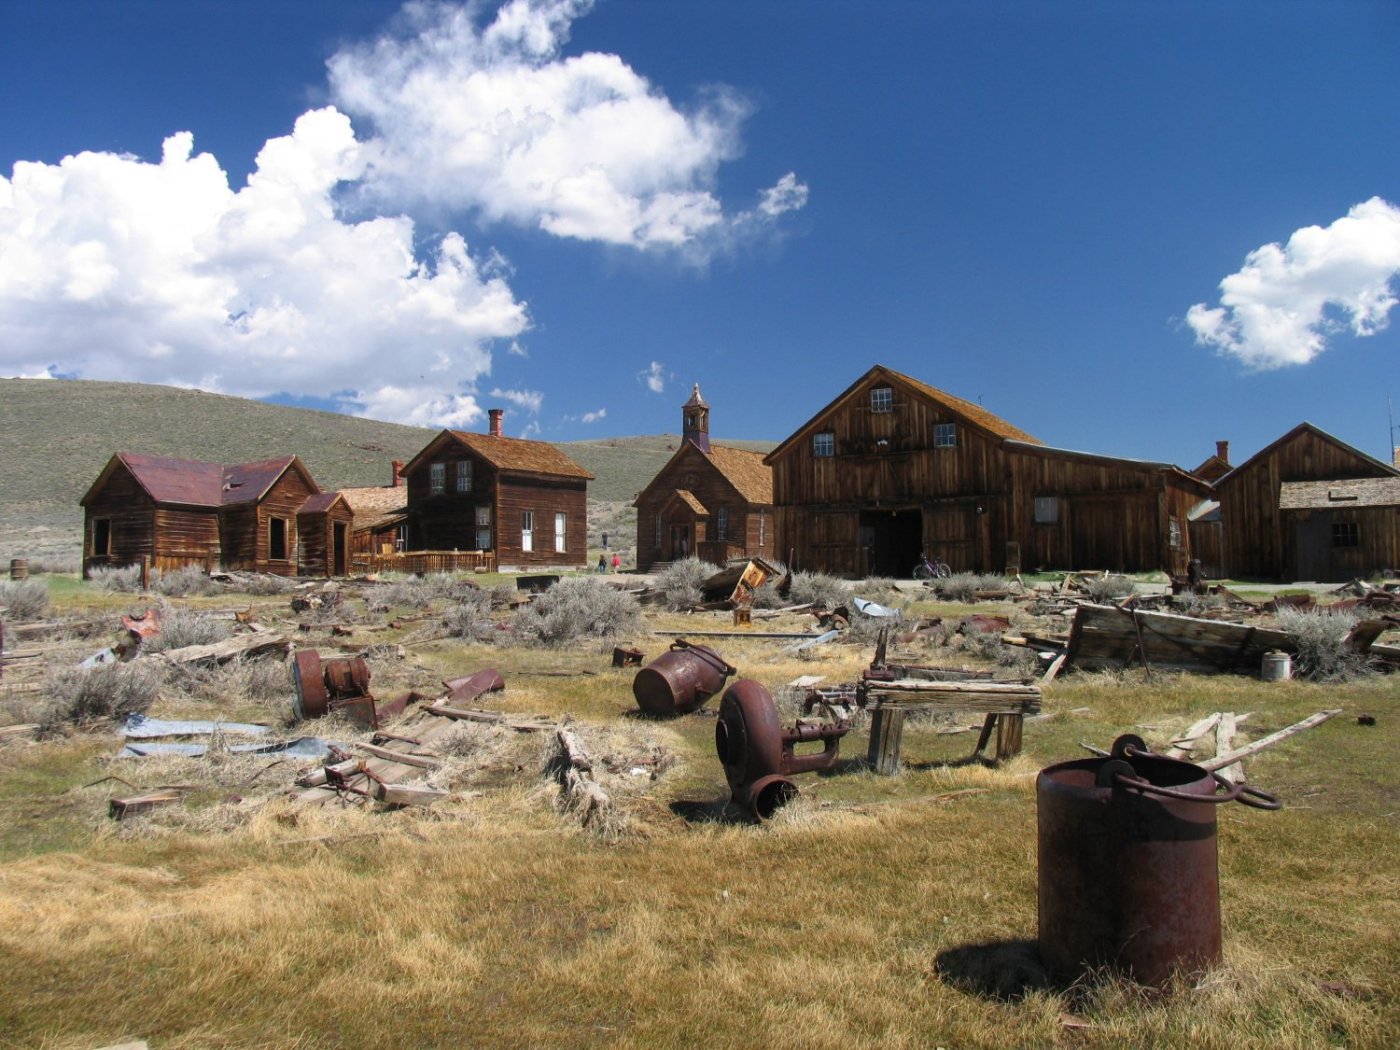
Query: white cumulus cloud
653, 377
530, 400
1283, 305
496, 120
594, 417
112, 267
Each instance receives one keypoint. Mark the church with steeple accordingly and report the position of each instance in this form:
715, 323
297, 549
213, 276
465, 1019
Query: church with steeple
711, 501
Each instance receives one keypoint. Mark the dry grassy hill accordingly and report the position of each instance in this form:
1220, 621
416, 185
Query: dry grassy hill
56, 435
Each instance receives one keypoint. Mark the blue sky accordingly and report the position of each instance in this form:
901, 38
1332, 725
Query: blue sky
577, 210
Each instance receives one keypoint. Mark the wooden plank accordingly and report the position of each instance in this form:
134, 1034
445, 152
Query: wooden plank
1231, 757
121, 808
401, 757
886, 733
406, 794
1182, 746
222, 652
1224, 740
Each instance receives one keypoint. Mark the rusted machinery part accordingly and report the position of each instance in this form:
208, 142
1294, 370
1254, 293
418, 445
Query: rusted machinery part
346, 677
312, 700
464, 690
680, 680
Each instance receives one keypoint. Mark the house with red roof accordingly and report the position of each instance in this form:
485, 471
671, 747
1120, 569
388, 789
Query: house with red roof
175, 512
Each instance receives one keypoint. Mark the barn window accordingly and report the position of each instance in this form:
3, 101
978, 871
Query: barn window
559, 523
277, 539
101, 537
1346, 534
1047, 510
1174, 534
945, 435
824, 444
464, 475
527, 530
881, 399
437, 479
722, 524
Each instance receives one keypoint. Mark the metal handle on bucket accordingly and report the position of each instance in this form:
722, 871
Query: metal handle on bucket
707, 654
1118, 771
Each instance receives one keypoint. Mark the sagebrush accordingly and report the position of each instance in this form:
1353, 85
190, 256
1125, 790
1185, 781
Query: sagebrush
578, 607
24, 599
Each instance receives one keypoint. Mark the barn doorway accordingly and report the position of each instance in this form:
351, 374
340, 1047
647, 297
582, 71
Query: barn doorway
890, 542
340, 545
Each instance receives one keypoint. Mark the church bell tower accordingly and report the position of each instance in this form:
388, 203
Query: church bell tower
695, 421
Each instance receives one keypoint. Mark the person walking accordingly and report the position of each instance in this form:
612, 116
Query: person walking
602, 564
617, 562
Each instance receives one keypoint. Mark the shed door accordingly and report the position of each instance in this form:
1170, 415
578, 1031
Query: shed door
1312, 547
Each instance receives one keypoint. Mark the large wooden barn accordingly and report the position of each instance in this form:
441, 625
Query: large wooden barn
1295, 510
178, 512
893, 467
713, 501
521, 503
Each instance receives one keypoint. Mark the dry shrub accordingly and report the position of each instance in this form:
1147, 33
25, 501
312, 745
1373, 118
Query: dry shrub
112, 580
181, 627
261, 584
964, 586
24, 599
55, 564
1197, 604
186, 581
1321, 639
470, 617
817, 588
1107, 588
85, 694
679, 583
260, 678
417, 592
578, 607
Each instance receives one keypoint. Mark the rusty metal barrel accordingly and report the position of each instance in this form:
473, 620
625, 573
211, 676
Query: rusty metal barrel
1128, 865
681, 679
19, 568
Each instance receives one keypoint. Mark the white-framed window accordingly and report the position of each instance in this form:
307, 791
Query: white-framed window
945, 435
722, 524
437, 479
483, 527
824, 444
560, 521
881, 399
464, 475
1174, 534
527, 530
1047, 510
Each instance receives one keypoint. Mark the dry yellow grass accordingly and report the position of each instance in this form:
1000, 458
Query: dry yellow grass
870, 913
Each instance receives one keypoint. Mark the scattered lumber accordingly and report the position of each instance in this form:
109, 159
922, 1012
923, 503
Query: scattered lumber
1224, 740
1182, 746
121, 808
405, 794
19, 732
579, 792
1104, 636
1231, 757
245, 645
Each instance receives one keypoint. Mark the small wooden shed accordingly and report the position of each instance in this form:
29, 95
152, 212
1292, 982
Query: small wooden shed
324, 525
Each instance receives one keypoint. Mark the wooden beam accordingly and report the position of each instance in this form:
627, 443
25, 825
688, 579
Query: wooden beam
1221, 761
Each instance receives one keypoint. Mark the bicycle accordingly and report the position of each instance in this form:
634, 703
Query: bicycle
931, 570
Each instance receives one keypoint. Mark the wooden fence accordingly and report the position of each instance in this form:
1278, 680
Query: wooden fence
424, 562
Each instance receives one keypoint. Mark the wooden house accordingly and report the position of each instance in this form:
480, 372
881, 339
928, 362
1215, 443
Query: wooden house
381, 520
524, 503
179, 512
1270, 536
713, 501
324, 523
893, 467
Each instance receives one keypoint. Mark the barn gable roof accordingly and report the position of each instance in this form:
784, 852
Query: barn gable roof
322, 502
974, 415
515, 455
1382, 469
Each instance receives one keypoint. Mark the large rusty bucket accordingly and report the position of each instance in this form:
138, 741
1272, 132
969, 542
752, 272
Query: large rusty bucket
681, 679
1129, 876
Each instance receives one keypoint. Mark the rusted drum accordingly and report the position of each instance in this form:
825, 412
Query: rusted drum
346, 677
19, 568
1128, 866
312, 700
680, 680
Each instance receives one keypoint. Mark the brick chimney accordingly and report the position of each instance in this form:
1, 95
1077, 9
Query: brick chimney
394, 480
1222, 449
496, 414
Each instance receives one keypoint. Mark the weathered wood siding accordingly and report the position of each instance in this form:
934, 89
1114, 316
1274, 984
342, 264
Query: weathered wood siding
316, 547
853, 512
1254, 539
1312, 555
748, 527
246, 527
169, 537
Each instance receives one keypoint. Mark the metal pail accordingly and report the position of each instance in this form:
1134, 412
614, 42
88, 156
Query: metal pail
1128, 866
680, 680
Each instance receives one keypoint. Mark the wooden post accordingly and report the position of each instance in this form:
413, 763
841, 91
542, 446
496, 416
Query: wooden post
886, 729
1008, 736
145, 572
